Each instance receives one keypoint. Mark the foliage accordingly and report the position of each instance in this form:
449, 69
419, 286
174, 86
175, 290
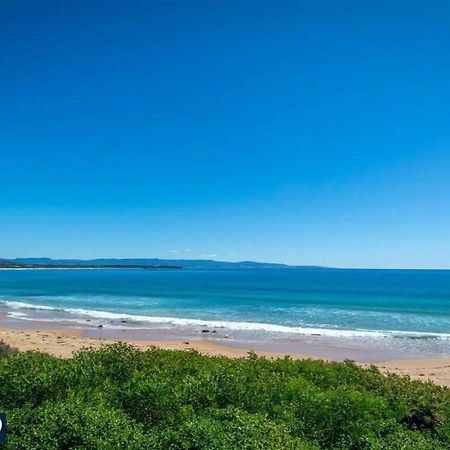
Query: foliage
122, 398
6, 349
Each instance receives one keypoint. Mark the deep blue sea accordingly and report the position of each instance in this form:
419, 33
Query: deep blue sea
398, 305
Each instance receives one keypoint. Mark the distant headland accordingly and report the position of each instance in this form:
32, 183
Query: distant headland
47, 263
136, 263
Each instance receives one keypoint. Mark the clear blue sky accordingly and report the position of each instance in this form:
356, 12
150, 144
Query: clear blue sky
308, 132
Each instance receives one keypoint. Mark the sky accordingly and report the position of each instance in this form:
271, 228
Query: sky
302, 132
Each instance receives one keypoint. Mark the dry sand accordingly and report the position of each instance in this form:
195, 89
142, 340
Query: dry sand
64, 342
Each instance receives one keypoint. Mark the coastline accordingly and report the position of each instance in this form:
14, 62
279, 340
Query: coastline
63, 341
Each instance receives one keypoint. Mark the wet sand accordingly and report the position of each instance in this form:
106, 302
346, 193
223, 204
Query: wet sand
63, 342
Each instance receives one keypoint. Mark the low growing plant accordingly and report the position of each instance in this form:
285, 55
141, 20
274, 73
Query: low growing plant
122, 398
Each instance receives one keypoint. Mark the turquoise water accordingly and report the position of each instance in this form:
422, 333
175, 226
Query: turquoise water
378, 304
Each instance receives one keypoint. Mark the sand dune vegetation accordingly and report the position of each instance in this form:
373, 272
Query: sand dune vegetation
122, 397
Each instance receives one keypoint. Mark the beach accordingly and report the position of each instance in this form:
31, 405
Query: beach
396, 320
64, 342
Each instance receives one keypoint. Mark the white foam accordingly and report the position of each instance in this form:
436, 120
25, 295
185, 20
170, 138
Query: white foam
21, 305
228, 325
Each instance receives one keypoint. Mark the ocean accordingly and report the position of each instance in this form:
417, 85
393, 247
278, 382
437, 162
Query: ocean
400, 309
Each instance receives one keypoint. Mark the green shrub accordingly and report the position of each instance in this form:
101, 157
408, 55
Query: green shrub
6, 349
119, 397
73, 425
227, 429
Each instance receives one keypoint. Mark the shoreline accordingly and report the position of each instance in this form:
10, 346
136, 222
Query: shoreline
63, 341
91, 268
80, 317
355, 347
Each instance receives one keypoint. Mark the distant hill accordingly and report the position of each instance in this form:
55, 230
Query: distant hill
45, 263
150, 262
9, 263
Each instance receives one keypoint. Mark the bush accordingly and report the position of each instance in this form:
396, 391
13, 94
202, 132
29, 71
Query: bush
6, 349
119, 397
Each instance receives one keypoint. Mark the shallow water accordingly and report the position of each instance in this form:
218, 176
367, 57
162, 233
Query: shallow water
407, 309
